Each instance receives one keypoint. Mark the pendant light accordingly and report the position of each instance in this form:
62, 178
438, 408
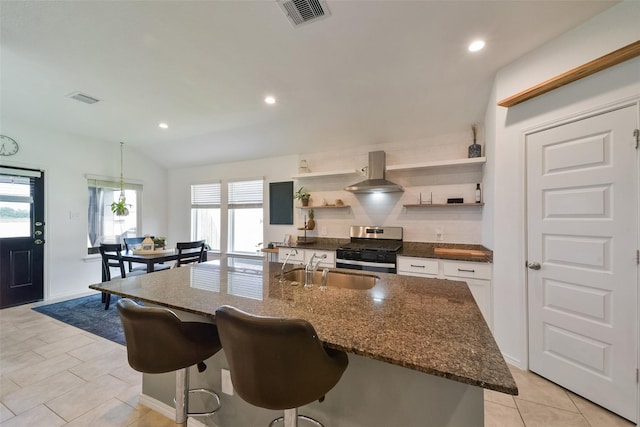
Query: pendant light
120, 207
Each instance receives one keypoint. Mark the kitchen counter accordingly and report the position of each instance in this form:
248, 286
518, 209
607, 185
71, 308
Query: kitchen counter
427, 325
319, 243
412, 249
430, 250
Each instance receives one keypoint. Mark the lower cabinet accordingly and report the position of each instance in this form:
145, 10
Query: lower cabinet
476, 274
304, 255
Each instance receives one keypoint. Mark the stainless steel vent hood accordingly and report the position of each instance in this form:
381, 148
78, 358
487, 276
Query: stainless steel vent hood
375, 182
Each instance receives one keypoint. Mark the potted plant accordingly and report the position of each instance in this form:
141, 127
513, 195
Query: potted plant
120, 207
303, 196
160, 242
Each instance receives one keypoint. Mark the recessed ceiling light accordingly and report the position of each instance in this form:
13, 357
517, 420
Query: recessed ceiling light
476, 45
270, 100
163, 126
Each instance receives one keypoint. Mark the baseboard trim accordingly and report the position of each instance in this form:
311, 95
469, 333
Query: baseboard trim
168, 411
515, 362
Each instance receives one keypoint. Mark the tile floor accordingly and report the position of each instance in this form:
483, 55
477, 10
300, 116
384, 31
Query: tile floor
52, 374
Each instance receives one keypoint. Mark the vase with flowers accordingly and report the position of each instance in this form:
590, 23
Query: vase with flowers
475, 149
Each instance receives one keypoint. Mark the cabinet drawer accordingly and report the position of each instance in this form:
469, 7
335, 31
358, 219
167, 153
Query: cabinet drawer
293, 259
420, 266
329, 261
473, 270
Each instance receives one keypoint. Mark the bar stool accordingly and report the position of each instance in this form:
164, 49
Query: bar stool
158, 342
278, 363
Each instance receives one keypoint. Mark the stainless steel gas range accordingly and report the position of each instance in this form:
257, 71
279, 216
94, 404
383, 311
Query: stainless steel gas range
371, 248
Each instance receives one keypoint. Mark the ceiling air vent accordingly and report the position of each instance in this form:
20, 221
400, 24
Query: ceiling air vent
83, 97
302, 11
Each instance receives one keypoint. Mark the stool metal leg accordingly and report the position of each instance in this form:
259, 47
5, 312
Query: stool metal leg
182, 398
182, 393
291, 419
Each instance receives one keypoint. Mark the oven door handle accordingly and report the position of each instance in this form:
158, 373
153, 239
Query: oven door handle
365, 263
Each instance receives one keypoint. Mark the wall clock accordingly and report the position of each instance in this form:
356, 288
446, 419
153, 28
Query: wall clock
8, 146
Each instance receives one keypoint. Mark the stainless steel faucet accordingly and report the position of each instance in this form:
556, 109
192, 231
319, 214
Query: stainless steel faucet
323, 282
284, 264
310, 269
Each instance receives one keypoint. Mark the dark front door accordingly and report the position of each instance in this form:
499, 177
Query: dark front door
21, 236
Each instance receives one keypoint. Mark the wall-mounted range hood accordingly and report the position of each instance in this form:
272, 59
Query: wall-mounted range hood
375, 182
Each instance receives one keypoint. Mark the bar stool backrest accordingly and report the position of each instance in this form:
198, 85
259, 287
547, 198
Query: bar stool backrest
277, 363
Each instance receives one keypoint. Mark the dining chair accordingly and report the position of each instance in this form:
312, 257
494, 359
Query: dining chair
129, 244
190, 252
111, 254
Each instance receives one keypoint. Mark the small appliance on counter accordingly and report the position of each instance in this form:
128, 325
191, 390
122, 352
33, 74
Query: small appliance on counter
371, 248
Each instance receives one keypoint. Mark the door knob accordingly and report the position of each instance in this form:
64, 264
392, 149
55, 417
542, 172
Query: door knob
534, 265
38, 241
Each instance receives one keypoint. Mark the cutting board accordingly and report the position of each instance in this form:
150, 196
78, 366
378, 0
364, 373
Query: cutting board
468, 252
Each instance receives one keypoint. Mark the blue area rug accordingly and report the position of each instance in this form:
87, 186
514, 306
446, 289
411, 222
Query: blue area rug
88, 313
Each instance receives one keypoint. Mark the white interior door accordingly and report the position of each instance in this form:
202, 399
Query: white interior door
582, 195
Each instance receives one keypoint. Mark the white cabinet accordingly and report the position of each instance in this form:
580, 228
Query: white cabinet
478, 277
294, 258
471, 270
476, 274
304, 255
421, 267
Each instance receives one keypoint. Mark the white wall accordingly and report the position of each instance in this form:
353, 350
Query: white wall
180, 180
611, 30
458, 225
66, 159
461, 225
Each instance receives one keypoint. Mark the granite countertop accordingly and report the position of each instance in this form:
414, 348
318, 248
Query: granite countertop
319, 243
412, 249
428, 325
430, 250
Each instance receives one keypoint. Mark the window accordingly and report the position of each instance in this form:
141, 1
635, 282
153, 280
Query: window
245, 216
15, 206
104, 225
228, 221
205, 214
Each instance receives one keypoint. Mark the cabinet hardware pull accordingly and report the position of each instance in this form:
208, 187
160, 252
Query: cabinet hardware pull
413, 265
466, 271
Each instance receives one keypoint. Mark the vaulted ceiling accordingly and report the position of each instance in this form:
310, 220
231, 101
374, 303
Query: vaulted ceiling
371, 72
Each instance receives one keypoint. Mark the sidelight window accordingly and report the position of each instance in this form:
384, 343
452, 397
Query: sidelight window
205, 214
245, 216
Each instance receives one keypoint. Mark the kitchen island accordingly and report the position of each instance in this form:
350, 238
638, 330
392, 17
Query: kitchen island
420, 352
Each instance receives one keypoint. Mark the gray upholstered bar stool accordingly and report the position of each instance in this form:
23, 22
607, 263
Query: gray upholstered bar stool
158, 342
278, 363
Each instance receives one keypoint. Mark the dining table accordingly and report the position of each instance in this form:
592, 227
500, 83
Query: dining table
151, 258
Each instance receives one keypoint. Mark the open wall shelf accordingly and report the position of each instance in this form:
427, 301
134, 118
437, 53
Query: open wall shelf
323, 207
444, 205
439, 164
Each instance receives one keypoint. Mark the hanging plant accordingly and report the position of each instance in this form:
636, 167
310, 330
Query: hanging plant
120, 207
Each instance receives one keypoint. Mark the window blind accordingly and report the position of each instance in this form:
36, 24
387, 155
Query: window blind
205, 196
245, 194
114, 185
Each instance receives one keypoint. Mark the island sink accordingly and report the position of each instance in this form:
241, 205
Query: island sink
336, 279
